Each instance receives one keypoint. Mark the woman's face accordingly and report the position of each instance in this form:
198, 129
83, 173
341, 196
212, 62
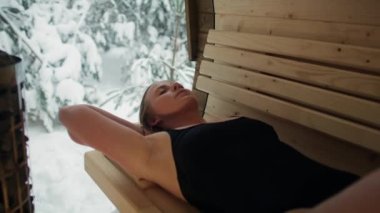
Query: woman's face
169, 98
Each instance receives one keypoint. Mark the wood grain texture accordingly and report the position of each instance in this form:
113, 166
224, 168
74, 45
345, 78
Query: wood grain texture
345, 55
202, 40
201, 98
192, 29
206, 21
205, 6
360, 35
359, 84
200, 95
121, 189
211, 118
320, 147
336, 103
200, 18
344, 11
336, 127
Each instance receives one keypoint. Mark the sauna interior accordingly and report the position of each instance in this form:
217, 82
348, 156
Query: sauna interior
311, 69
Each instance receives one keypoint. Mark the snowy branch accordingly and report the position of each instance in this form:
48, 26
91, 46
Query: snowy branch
167, 64
119, 94
81, 20
21, 35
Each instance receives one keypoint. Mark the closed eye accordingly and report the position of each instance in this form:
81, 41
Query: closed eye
162, 90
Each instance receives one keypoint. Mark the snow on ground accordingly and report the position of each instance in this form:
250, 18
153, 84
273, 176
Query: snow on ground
60, 183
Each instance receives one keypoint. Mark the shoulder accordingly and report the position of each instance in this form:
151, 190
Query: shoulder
160, 155
159, 144
158, 137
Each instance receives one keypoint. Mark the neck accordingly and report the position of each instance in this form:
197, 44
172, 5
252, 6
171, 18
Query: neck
183, 120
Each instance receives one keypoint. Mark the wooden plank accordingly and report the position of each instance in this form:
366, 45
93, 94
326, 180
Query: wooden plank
205, 6
167, 203
344, 11
332, 102
336, 127
206, 21
121, 189
320, 147
361, 35
197, 67
198, 64
125, 194
363, 85
202, 40
211, 118
192, 29
345, 55
201, 98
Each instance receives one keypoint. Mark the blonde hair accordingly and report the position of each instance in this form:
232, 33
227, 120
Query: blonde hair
145, 115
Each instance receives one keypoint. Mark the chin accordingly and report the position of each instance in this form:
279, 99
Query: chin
192, 105
191, 100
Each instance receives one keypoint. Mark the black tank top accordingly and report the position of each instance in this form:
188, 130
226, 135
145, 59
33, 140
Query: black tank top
240, 165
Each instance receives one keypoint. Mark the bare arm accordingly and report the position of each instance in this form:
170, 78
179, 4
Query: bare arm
121, 121
119, 142
363, 197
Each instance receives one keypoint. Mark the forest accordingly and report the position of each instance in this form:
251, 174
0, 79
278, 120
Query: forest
61, 43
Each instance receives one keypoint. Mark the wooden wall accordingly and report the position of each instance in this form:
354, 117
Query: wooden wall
310, 68
344, 38
200, 19
340, 21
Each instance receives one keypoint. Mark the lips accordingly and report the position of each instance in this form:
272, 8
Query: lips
182, 92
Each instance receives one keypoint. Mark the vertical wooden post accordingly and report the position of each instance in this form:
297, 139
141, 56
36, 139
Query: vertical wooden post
192, 28
14, 171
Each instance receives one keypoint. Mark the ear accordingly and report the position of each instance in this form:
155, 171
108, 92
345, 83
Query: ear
154, 121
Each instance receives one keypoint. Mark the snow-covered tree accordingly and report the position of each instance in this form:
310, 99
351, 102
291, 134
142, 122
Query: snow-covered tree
56, 55
60, 42
158, 51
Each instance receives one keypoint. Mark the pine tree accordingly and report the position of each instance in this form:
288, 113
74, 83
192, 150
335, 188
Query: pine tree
152, 31
159, 50
57, 57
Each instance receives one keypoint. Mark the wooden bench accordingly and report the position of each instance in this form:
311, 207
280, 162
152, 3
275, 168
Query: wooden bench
125, 193
322, 98
312, 73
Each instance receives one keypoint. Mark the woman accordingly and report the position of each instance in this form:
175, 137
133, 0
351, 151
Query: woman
237, 165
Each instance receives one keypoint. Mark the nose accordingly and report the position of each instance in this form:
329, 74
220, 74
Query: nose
175, 86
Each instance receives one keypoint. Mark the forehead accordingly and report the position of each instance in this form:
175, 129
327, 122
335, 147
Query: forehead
155, 86
160, 83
